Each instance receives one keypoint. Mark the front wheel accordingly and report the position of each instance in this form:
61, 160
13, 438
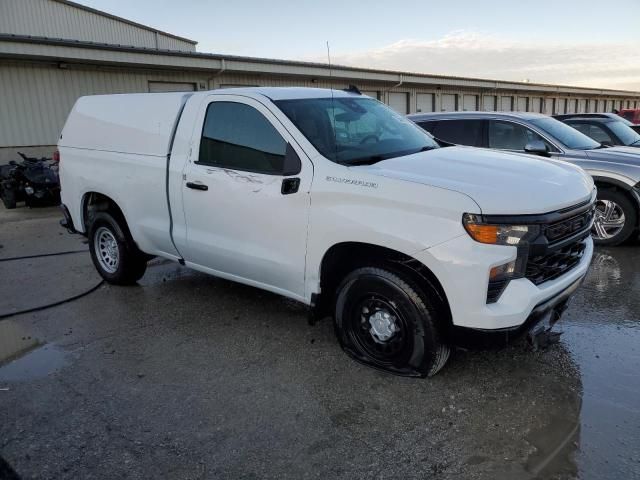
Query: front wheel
386, 322
615, 218
114, 254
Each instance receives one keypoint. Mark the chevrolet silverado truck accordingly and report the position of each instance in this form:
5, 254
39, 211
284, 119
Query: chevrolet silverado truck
332, 199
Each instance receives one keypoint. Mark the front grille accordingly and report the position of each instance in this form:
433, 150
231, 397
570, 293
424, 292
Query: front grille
559, 231
556, 263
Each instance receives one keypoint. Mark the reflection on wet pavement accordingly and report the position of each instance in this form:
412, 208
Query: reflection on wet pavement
603, 334
14, 341
23, 358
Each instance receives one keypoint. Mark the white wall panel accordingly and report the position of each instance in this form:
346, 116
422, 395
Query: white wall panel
35, 99
54, 19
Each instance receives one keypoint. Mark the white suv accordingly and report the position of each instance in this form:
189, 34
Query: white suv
332, 199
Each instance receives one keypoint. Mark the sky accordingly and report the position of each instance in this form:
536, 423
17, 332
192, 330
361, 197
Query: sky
584, 43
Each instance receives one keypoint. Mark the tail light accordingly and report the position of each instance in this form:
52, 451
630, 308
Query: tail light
56, 156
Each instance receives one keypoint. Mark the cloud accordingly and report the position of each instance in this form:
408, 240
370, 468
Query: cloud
472, 54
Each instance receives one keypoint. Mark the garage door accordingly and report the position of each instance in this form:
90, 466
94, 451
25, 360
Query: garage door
470, 103
424, 102
398, 101
535, 105
506, 104
561, 106
602, 107
448, 102
548, 106
489, 103
582, 106
370, 93
155, 87
522, 104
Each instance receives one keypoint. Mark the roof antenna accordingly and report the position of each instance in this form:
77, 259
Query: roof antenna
333, 110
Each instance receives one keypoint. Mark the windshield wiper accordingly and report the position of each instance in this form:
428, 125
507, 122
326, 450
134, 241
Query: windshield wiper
378, 158
364, 161
426, 148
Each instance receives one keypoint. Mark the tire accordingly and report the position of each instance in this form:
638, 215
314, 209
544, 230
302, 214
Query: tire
384, 321
9, 198
616, 218
113, 251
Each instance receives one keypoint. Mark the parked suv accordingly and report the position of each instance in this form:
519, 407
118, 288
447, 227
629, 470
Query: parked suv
606, 130
335, 200
616, 170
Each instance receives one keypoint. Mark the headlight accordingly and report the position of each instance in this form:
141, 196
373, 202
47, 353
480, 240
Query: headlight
497, 234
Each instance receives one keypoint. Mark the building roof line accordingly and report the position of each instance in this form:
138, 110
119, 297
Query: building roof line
491, 84
120, 19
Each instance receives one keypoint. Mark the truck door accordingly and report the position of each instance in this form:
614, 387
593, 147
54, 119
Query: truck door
246, 197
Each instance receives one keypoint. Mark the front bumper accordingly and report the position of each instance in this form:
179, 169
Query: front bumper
462, 267
551, 310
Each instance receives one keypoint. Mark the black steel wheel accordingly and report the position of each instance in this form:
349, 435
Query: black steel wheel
386, 322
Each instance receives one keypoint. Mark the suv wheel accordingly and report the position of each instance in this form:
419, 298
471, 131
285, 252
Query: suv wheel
382, 320
114, 254
615, 218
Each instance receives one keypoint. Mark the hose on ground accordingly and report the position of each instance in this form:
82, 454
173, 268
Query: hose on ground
4, 316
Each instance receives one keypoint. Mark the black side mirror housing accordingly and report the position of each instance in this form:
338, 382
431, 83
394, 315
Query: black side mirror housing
292, 164
537, 147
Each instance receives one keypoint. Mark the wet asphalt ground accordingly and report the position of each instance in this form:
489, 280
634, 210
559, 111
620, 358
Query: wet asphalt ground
187, 376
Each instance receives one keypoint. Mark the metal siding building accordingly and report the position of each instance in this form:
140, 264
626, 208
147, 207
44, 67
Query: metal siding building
54, 51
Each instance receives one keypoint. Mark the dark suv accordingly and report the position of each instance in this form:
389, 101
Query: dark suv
608, 131
616, 170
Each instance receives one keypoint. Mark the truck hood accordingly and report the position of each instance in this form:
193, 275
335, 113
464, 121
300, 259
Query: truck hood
500, 183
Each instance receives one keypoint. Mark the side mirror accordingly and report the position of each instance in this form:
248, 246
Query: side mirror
292, 164
537, 147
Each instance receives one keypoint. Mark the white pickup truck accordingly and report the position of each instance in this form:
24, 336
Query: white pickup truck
332, 199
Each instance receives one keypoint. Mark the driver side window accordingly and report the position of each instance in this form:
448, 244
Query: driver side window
511, 136
238, 137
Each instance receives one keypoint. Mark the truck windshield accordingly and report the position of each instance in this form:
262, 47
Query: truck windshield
568, 136
355, 131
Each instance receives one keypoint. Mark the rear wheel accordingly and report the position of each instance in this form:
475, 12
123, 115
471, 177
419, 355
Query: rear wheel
114, 254
386, 322
615, 218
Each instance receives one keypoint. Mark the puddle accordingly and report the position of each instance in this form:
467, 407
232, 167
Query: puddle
14, 341
23, 357
603, 334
